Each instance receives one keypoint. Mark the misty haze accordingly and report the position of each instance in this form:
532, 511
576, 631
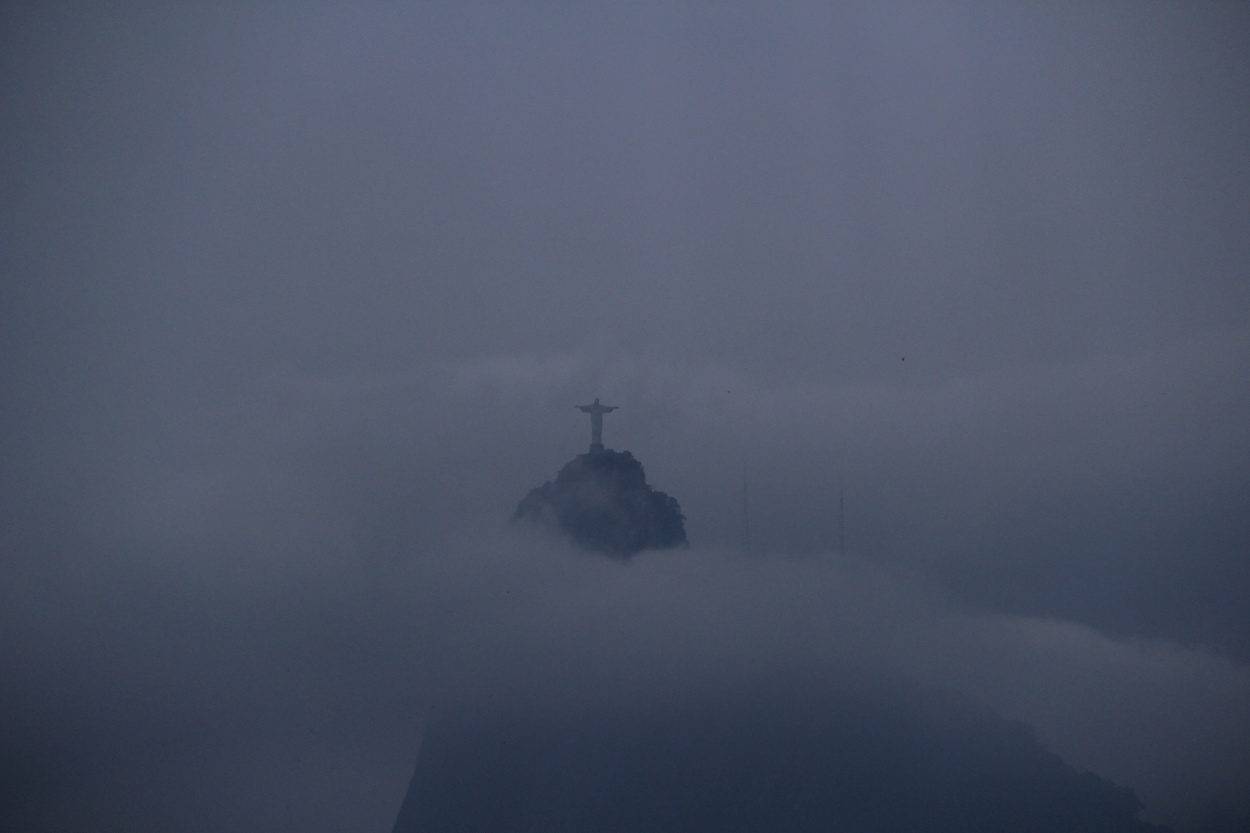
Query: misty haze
917, 339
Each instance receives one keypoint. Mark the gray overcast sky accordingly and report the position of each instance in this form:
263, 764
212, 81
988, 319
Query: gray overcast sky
297, 292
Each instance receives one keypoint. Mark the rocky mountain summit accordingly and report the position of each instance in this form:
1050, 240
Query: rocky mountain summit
602, 502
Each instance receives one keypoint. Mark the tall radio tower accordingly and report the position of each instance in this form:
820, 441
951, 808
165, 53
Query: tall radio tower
746, 515
841, 524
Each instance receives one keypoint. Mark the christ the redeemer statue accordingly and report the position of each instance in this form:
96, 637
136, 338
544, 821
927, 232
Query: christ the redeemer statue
596, 412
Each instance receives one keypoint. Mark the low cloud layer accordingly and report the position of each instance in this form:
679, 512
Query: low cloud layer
252, 689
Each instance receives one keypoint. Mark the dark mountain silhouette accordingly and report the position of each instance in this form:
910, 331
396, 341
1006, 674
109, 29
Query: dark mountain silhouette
781, 755
602, 502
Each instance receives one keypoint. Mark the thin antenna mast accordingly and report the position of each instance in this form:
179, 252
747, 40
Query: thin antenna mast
841, 524
746, 515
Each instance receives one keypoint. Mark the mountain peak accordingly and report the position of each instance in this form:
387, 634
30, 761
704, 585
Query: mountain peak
602, 502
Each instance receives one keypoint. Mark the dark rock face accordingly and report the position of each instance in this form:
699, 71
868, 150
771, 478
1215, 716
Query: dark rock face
601, 501
786, 757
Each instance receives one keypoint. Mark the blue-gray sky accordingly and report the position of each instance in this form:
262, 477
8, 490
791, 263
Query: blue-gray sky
292, 296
